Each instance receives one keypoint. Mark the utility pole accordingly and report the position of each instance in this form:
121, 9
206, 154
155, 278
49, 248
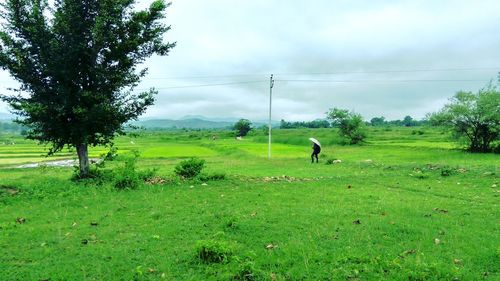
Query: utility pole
271, 85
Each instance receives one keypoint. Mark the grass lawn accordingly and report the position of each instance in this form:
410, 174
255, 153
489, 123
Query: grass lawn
404, 206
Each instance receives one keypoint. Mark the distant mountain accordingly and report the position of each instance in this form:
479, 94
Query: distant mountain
6, 116
192, 123
214, 119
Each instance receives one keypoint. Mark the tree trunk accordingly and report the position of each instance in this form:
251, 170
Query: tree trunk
83, 158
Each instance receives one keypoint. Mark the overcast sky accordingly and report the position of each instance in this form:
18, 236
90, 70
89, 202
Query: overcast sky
374, 57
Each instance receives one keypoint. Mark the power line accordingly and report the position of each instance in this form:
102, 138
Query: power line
206, 85
317, 81
324, 73
392, 71
380, 81
312, 73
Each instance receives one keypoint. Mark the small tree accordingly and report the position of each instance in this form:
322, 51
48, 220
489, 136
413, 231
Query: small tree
377, 121
242, 127
474, 118
351, 125
76, 61
408, 121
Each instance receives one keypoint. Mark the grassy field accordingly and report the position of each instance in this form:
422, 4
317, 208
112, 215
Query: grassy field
406, 205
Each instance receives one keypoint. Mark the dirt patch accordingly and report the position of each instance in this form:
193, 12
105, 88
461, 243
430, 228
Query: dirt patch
8, 190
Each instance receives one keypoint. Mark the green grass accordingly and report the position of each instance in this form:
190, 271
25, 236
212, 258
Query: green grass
279, 219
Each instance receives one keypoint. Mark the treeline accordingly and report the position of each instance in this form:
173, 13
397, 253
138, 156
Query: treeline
304, 124
408, 121
11, 127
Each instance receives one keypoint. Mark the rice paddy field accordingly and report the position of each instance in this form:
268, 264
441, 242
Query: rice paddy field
406, 205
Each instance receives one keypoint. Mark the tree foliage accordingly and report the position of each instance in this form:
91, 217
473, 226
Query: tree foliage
351, 125
304, 124
474, 118
242, 127
378, 121
76, 61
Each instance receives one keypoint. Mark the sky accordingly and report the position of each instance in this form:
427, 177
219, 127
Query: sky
377, 58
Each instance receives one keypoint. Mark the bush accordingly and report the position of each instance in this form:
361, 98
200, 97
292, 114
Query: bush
211, 251
110, 155
231, 222
212, 177
419, 175
189, 168
419, 132
95, 175
246, 271
127, 177
447, 171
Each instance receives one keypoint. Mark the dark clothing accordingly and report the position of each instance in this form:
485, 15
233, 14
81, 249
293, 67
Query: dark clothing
316, 151
316, 148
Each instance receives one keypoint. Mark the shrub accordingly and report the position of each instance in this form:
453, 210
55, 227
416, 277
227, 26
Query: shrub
211, 251
246, 271
447, 171
111, 154
231, 222
419, 175
212, 177
419, 132
95, 175
127, 177
189, 168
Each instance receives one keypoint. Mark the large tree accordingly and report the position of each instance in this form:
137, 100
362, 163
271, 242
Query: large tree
474, 118
76, 62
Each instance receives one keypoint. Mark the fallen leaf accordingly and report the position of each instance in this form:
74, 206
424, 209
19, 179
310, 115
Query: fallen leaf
437, 241
356, 222
271, 246
457, 261
20, 220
